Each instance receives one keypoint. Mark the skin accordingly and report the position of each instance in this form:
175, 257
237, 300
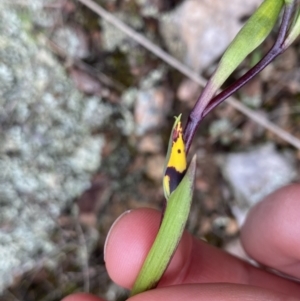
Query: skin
199, 271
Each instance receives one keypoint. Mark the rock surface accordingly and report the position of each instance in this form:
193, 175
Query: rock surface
153, 102
72, 41
199, 31
47, 153
255, 174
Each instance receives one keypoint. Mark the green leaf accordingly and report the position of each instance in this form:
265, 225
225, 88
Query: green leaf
253, 33
169, 233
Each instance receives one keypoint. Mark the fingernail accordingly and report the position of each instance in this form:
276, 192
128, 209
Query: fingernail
110, 230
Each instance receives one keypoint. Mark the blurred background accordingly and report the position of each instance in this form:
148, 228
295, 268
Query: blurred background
85, 118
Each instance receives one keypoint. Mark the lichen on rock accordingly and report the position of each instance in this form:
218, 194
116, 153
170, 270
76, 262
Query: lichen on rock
47, 152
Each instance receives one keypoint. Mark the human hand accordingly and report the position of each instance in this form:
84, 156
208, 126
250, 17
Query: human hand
199, 271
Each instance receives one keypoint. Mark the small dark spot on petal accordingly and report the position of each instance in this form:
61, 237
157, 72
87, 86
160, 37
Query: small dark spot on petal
179, 151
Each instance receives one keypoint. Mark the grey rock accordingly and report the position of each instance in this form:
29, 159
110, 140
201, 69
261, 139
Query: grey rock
199, 31
224, 131
256, 173
151, 109
47, 152
72, 40
153, 102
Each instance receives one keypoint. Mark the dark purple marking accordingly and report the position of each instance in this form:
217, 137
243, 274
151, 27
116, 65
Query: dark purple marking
174, 176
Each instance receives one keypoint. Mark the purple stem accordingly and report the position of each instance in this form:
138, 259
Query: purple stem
196, 116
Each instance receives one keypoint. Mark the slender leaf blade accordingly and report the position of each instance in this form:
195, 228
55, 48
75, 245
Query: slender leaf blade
169, 234
252, 34
248, 38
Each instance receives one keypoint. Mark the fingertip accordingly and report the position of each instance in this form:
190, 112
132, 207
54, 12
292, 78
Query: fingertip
128, 244
111, 230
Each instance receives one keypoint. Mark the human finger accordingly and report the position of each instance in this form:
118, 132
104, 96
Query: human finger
212, 292
194, 261
271, 232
